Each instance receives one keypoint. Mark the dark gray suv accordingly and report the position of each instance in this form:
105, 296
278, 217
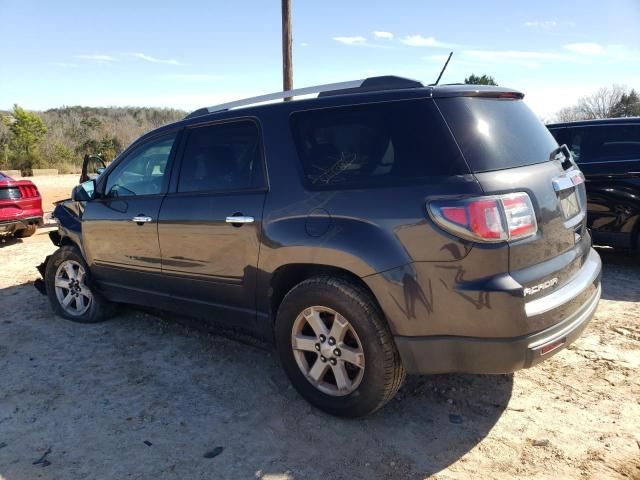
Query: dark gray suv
382, 227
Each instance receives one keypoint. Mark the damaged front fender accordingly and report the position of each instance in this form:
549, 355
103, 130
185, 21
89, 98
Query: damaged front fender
39, 282
67, 215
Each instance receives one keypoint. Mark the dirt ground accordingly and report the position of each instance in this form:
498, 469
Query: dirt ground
148, 397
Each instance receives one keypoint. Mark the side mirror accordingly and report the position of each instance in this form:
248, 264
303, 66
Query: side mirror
84, 192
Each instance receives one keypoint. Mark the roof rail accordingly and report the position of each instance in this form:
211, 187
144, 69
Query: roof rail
340, 88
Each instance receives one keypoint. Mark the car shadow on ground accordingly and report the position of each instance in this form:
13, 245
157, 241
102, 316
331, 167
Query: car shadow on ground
620, 274
94, 394
9, 240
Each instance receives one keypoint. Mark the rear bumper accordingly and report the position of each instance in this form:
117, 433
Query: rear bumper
10, 226
447, 354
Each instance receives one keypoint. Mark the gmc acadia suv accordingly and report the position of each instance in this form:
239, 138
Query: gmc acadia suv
383, 227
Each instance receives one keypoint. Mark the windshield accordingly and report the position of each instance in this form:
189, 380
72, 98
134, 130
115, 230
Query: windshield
497, 133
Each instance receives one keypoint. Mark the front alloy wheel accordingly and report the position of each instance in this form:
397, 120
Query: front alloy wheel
72, 292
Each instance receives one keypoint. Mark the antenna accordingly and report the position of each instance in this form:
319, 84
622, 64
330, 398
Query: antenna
443, 68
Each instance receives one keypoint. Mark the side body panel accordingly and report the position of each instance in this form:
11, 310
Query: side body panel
363, 231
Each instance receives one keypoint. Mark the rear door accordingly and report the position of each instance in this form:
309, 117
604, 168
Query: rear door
210, 223
509, 150
609, 156
120, 228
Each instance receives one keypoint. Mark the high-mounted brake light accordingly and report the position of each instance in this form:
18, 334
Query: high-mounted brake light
487, 219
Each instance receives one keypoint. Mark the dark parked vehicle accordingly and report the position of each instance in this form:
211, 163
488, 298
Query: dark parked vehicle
383, 227
608, 153
20, 207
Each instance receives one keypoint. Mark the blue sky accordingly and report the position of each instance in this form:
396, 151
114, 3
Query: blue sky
194, 53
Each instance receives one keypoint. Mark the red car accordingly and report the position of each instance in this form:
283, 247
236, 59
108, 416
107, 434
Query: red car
20, 207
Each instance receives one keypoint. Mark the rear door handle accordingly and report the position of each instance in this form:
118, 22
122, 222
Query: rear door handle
141, 219
239, 219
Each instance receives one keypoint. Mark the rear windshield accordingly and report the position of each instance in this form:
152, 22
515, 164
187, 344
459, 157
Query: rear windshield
497, 133
378, 144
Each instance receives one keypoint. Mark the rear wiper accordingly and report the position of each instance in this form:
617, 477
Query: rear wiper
567, 163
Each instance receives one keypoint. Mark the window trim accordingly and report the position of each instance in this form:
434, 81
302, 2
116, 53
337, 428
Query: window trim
175, 180
102, 181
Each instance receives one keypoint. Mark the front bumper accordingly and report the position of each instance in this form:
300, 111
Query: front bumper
448, 354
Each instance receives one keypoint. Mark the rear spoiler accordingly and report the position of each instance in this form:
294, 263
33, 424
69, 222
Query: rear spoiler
462, 90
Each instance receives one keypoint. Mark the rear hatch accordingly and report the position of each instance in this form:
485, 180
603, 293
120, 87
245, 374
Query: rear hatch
508, 149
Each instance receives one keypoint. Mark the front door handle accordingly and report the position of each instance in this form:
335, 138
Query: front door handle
141, 219
239, 219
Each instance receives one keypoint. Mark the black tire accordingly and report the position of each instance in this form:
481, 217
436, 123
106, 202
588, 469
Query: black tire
99, 309
383, 372
25, 232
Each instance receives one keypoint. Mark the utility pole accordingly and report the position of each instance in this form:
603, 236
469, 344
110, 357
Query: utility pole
287, 66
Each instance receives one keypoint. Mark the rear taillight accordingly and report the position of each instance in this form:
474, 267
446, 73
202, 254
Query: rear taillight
28, 191
487, 219
576, 177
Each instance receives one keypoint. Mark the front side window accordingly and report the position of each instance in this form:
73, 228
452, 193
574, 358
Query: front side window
605, 143
143, 171
375, 144
221, 158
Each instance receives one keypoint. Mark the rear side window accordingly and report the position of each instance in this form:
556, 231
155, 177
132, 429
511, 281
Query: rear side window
375, 144
495, 134
221, 158
605, 143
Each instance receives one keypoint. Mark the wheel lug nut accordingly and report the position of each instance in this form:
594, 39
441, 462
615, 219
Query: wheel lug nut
322, 338
318, 346
323, 359
333, 361
336, 352
332, 341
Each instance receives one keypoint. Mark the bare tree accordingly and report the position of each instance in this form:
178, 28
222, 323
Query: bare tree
568, 114
602, 103
606, 102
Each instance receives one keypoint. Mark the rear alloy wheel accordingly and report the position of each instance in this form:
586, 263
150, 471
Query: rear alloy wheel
70, 290
336, 347
328, 351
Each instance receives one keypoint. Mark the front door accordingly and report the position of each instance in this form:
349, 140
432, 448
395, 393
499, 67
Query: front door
120, 227
209, 227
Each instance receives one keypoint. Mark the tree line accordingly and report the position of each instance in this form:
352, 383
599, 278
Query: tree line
59, 138
606, 102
